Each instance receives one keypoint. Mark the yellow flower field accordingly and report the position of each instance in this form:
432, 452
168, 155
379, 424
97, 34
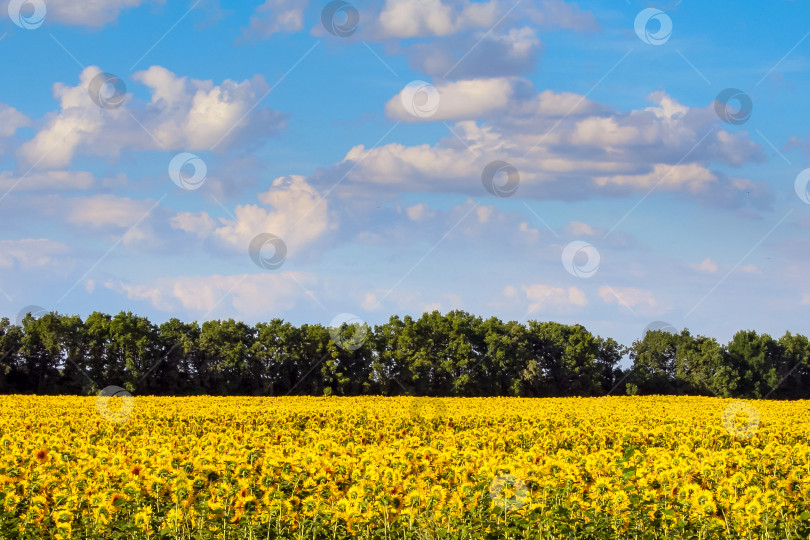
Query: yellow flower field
306, 467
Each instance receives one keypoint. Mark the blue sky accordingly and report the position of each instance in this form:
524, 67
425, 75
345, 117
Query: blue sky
364, 155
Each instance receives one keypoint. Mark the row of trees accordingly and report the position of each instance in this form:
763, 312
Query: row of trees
751, 365
456, 354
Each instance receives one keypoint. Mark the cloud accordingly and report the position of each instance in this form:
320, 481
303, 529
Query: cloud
141, 221
484, 213
690, 177
549, 298
106, 210
577, 228
480, 55
405, 19
11, 120
369, 302
46, 180
419, 212
797, 142
707, 265
182, 114
564, 147
198, 224
561, 14
411, 301
87, 12
249, 295
200, 114
421, 18
398, 165
275, 16
462, 39
505, 100
449, 302
292, 210
627, 296
29, 252
457, 100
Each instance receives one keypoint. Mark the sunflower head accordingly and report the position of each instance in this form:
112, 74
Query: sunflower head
41, 455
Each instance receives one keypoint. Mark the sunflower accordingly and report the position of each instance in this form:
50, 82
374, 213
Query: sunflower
116, 501
41, 455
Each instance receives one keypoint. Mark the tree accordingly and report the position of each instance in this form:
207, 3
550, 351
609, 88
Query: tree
346, 370
279, 349
759, 362
133, 350
226, 366
507, 356
73, 354
795, 374
39, 362
455, 354
608, 356
701, 367
10, 343
654, 363
176, 370
389, 368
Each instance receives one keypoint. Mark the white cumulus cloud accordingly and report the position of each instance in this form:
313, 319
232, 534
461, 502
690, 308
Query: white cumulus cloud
182, 114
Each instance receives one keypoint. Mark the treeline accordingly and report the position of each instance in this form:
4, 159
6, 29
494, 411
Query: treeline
456, 354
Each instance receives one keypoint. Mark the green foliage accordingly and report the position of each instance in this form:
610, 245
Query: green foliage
455, 354
751, 366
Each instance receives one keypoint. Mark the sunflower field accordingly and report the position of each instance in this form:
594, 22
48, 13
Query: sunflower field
402, 468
